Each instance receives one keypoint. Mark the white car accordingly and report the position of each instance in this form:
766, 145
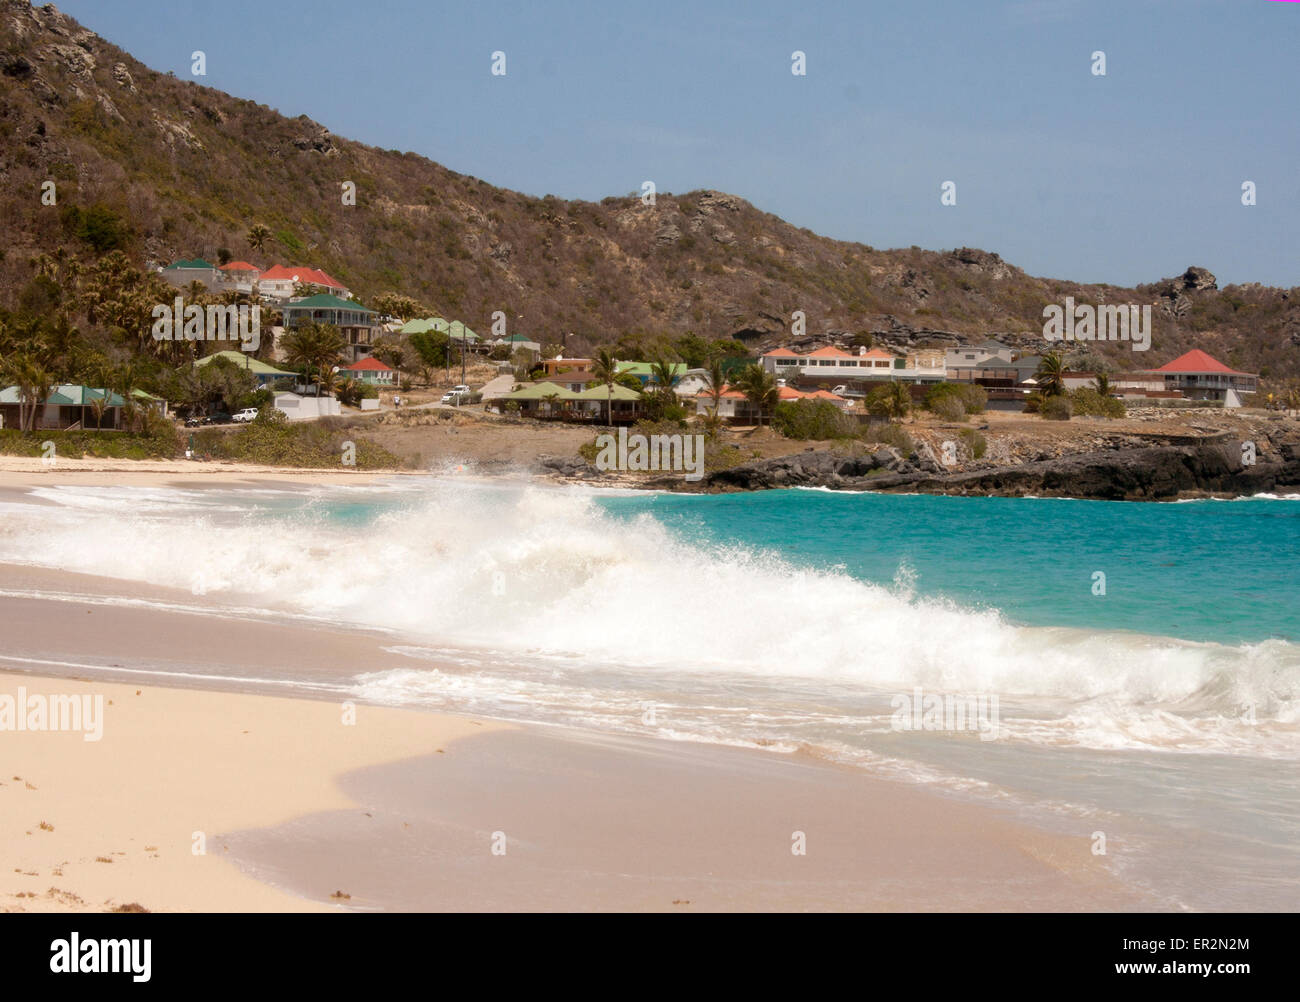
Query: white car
247, 414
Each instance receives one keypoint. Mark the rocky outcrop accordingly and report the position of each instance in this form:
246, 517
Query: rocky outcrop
1155, 473
983, 262
1199, 278
320, 141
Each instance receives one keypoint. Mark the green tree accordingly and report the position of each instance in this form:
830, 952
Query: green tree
605, 368
1050, 375
892, 400
257, 236
759, 388
34, 383
315, 346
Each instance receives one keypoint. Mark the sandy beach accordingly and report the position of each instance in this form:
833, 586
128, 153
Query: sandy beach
25, 471
413, 810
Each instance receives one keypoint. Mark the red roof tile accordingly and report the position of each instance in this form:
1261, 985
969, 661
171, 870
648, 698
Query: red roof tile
1196, 361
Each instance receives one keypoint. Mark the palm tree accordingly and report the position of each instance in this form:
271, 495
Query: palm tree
126, 382
314, 346
759, 387
1102, 383
898, 400
605, 368
1051, 371
34, 384
258, 236
715, 384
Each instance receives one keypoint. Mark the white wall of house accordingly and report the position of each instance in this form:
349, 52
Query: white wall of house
298, 408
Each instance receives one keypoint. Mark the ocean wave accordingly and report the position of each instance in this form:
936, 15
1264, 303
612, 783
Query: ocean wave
550, 578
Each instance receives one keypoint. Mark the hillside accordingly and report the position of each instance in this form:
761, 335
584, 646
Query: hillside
184, 170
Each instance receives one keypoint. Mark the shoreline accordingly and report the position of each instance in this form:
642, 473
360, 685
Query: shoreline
403, 814
399, 810
1112, 465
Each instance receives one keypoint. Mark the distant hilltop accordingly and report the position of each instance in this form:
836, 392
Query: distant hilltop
173, 170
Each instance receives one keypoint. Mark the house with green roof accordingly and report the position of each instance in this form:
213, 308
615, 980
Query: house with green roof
551, 401
67, 405
359, 324
265, 373
644, 371
182, 273
455, 329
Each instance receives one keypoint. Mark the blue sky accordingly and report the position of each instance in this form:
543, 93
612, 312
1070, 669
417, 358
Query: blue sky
1124, 178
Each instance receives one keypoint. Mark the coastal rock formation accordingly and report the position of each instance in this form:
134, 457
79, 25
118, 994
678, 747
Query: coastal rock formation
1150, 473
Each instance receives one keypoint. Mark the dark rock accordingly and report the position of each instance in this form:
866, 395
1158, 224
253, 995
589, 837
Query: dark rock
1148, 473
1199, 278
16, 66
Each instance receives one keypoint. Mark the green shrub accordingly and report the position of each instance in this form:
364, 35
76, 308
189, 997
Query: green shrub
812, 419
1055, 408
889, 434
272, 440
976, 442
972, 397
1087, 401
159, 440
948, 407
99, 226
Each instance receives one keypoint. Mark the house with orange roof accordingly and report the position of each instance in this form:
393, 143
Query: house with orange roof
733, 406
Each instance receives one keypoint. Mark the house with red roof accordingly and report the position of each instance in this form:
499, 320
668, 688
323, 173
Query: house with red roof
238, 275
279, 282
1196, 375
370, 370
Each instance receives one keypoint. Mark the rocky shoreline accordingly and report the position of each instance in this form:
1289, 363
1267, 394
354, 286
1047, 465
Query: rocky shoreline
1217, 466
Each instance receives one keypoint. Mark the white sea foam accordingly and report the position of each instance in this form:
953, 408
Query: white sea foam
546, 580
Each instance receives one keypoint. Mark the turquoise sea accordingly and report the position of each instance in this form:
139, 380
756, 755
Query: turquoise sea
1161, 709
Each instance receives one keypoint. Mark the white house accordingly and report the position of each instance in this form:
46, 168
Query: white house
692, 383
966, 356
278, 282
868, 364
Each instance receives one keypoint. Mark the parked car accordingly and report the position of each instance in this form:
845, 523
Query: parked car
247, 414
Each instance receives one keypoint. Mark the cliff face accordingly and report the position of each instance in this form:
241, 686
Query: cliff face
186, 170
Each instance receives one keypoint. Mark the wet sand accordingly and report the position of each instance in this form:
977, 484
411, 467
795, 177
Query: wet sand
398, 811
